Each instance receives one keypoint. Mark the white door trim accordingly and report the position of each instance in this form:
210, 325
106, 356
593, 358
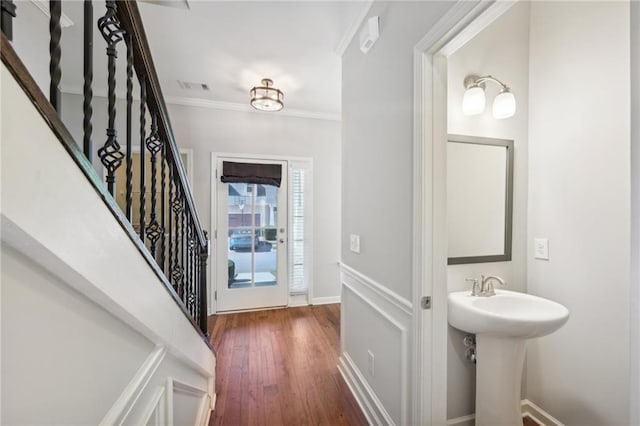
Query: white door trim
212, 283
460, 24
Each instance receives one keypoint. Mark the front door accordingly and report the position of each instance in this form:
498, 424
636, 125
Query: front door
251, 243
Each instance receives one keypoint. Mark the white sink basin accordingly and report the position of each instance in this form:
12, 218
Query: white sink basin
507, 314
502, 324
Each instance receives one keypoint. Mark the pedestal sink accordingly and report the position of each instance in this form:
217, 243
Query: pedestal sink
502, 324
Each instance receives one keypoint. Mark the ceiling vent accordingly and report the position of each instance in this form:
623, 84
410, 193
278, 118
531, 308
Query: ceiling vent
194, 87
178, 4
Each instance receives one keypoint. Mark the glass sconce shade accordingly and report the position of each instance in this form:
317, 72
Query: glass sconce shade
504, 105
473, 101
267, 98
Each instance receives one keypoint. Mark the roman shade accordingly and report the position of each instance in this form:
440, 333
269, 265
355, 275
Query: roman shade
266, 174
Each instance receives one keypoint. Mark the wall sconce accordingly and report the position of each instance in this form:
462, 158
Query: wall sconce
473, 102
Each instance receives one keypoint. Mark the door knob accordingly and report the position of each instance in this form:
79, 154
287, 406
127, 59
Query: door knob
282, 240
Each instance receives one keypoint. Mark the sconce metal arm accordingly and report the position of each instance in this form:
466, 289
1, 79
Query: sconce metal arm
474, 80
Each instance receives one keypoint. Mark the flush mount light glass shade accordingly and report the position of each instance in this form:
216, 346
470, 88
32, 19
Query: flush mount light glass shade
473, 101
504, 105
267, 98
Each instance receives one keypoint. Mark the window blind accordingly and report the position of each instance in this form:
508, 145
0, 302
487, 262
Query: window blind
266, 174
297, 279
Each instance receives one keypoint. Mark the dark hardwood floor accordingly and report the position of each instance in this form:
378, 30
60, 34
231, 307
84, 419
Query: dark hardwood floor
278, 367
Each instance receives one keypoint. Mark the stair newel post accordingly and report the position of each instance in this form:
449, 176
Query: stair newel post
110, 154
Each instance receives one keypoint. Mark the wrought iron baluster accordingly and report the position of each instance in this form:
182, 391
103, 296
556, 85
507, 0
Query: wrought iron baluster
110, 154
185, 255
192, 244
55, 53
196, 282
129, 159
177, 270
8, 11
87, 109
143, 162
187, 261
163, 207
204, 253
154, 145
170, 231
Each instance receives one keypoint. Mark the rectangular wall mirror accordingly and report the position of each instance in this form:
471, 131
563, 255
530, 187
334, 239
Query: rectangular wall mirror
479, 199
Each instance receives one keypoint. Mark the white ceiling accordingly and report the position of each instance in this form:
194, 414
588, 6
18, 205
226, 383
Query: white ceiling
232, 45
228, 45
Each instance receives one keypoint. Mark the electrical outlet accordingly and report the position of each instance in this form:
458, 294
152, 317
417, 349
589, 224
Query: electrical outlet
354, 243
371, 363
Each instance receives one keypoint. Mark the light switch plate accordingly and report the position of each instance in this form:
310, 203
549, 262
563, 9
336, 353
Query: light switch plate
354, 243
541, 248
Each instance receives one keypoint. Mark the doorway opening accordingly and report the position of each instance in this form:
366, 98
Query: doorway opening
262, 238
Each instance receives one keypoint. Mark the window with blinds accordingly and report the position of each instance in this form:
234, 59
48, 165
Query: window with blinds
297, 236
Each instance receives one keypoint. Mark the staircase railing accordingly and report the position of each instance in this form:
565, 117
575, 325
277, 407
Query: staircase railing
167, 230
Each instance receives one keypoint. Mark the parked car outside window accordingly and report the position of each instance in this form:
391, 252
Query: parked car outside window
243, 240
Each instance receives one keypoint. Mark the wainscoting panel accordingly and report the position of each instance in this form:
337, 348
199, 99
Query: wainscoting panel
166, 393
375, 345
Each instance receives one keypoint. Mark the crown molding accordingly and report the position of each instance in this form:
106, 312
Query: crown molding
232, 106
43, 5
211, 104
353, 28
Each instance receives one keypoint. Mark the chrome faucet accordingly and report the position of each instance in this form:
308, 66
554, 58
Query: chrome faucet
475, 287
484, 287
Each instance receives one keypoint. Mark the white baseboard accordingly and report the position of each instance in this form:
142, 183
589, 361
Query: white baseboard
538, 414
528, 409
325, 300
464, 420
369, 403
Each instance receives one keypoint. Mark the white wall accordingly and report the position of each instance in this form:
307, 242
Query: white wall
377, 179
377, 111
57, 345
89, 332
501, 50
210, 130
635, 213
207, 130
579, 198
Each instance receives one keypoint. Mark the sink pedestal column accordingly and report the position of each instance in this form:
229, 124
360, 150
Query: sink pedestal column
498, 380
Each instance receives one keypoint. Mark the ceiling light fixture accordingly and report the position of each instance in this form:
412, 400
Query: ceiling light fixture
267, 98
473, 102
